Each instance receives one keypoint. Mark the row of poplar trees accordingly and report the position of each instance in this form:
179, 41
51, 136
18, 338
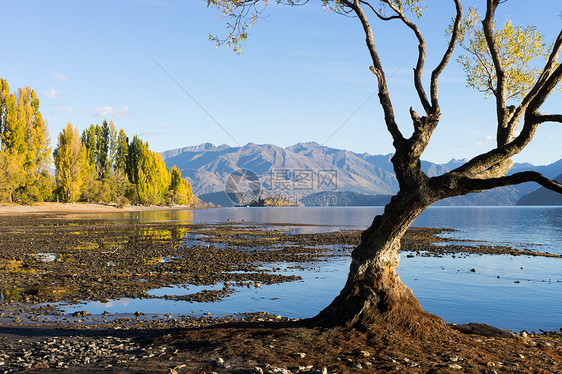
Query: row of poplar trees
100, 165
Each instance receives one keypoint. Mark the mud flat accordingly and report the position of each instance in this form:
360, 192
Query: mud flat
49, 258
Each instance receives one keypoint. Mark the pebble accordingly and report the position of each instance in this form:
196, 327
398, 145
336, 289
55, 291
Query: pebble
61, 353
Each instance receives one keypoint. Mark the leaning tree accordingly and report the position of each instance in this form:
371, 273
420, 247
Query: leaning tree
499, 62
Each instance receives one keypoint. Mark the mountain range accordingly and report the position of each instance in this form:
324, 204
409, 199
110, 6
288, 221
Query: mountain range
311, 169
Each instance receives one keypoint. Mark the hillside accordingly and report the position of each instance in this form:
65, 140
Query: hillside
542, 196
309, 168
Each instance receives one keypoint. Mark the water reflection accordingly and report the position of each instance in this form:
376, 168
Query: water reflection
509, 292
10, 295
166, 215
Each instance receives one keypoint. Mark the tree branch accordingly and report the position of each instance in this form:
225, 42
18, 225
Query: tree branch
546, 73
384, 96
548, 118
446, 57
378, 13
529, 109
545, 90
488, 28
421, 56
475, 185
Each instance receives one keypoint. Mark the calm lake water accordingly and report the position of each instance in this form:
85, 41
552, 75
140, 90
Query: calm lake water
445, 286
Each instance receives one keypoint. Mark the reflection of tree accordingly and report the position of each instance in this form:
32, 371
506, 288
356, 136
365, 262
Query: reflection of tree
7, 296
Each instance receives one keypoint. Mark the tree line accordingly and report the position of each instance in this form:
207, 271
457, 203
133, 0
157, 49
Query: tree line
101, 165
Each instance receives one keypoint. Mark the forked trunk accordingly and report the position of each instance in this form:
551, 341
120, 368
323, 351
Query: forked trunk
374, 292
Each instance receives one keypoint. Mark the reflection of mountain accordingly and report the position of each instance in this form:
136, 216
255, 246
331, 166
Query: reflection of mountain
337, 198
542, 196
308, 168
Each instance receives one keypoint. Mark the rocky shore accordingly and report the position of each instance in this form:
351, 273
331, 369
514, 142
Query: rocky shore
50, 258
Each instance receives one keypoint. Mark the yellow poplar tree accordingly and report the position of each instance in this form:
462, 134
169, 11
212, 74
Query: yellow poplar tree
180, 188
70, 163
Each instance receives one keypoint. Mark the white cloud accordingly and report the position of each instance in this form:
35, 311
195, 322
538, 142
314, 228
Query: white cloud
107, 110
51, 94
101, 111
125, 112
59, 77
64, 110
485, 140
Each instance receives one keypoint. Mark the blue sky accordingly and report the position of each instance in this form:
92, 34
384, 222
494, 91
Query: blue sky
303, 75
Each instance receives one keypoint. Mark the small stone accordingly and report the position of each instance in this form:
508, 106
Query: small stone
280, 370
455, 366
81, 313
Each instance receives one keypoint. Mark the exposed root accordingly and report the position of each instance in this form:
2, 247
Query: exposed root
385, 304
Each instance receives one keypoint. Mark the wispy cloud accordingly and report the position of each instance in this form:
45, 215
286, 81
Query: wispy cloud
109, 110
51, 94
485, 140
101, 111
125, 112
63, 110
59, 77
151, 133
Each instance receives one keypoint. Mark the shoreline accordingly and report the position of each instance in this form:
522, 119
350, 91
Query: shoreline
41, 338
8, 209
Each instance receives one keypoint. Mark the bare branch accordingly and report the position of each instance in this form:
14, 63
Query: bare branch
545, 90
546, 73
421, 55
529, 109
488, 28
475, 185
384, 95
378, 13
446, 57
549, 118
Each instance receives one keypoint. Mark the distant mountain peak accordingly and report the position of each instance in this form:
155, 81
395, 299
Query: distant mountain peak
207, 167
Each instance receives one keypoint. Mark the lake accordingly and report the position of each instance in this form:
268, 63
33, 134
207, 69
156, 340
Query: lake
509, 292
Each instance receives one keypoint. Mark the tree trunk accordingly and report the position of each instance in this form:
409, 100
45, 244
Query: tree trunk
374, 293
